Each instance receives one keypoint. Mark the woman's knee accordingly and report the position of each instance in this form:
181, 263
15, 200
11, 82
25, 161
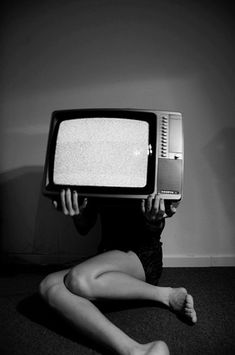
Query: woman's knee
79, 282
49, 287
53, 279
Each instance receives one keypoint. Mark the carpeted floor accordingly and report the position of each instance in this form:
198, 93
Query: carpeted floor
28, 326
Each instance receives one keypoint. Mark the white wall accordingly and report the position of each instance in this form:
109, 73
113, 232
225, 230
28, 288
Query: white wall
171, 55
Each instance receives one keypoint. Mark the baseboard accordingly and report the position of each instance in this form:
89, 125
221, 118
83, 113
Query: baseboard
40, 259
198, 260
168, 260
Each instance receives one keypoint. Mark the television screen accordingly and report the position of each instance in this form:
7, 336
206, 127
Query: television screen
102, 151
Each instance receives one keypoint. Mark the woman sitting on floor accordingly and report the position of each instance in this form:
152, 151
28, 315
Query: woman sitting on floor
127, 266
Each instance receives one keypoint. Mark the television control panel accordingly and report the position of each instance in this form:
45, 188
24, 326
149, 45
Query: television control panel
170, 155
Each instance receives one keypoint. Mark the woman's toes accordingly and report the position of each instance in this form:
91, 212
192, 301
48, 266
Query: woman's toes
189, 309
189, 301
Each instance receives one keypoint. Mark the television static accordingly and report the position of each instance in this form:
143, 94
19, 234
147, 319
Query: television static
101, 152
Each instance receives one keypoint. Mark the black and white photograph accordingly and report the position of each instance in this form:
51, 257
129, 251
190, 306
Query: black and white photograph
117, 177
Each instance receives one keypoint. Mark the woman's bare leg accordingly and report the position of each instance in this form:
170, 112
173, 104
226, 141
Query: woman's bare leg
112, 275
85, 317
120, 275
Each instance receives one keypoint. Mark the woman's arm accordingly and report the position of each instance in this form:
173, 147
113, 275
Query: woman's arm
84, 216
155, 210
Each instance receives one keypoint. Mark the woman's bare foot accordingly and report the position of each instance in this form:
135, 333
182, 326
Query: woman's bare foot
182, 303
189, 309
155, 348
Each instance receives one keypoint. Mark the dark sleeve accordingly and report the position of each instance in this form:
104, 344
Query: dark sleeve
154, 229
85, 221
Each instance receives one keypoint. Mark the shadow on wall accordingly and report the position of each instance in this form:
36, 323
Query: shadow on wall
220, 154
31, 226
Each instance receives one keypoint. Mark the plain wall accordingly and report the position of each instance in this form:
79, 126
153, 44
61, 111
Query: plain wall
169, 55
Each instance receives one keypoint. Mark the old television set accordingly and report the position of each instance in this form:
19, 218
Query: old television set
123, 153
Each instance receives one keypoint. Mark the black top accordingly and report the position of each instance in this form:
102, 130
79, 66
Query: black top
123, 224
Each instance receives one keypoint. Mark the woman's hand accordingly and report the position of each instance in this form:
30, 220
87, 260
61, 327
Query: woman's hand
70, 203
155, 209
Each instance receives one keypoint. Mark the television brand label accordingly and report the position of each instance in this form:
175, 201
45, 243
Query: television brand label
169, 192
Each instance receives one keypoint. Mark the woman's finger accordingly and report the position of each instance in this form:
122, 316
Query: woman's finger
68, 201
84, 204
149, 203
143, 206
156, 204
63, 203
75, 202
161, 206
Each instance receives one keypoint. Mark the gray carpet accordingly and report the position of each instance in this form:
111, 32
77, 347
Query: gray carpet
28, 326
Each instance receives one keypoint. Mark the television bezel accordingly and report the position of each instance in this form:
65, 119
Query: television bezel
50, 188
